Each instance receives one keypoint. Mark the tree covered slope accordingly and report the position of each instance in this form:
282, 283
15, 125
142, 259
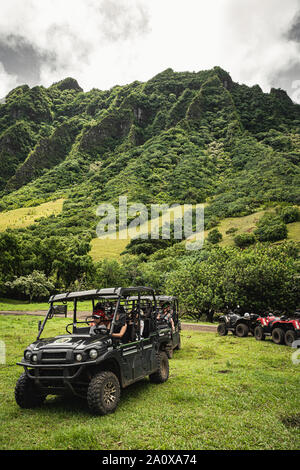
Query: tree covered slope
180, 137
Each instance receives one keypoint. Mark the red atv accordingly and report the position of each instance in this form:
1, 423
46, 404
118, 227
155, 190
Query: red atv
283, 329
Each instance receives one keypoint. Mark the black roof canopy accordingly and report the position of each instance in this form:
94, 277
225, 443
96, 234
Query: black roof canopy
160, 298
111, 292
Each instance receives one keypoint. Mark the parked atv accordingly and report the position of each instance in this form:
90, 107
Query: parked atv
239, 324
283, 329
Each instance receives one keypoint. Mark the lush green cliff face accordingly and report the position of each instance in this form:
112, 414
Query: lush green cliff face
178, 138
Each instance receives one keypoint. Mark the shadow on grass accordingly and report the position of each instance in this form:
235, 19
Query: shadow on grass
291, 421
72, 404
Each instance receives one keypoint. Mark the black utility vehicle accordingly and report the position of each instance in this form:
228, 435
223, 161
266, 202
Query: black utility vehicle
167, 317
239, 324
89, 361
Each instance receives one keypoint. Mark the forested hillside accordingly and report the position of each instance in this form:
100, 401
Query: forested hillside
178, 138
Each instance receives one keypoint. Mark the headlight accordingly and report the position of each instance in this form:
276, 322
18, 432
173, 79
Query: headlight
27, 355
34, 358
78, 357
93, 354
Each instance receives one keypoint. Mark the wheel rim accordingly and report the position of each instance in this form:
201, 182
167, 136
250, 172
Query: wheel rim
109, 393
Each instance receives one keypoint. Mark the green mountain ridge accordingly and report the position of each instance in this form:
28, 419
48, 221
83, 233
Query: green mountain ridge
180, 137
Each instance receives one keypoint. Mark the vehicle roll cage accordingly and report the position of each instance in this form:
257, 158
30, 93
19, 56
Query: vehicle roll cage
115, 293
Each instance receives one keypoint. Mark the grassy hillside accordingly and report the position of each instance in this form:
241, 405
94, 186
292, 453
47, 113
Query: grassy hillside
21, 218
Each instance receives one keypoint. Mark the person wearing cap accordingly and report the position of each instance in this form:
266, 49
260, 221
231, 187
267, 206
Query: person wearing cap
99, 318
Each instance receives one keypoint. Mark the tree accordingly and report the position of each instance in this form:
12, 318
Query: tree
35, 285
214, 236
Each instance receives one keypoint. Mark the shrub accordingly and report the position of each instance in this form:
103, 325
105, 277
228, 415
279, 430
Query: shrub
244, 239
231, 230
271, 228
289, 214
214, 236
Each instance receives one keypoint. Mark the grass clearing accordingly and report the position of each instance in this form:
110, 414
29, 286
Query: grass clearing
109, 248
20, 218
223, 393
23, 306
113, 248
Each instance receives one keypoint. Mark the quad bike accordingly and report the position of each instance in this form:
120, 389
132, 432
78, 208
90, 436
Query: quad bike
283, 329
239, 324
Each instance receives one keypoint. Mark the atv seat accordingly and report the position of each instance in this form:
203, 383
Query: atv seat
129, 334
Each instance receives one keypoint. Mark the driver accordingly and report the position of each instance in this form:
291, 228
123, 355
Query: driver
99, 318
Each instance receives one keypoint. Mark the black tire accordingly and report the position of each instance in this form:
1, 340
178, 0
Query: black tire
289, 337
242, 330
27, 394
162, 373
169, 350
103, 393
222, 329
278, 336
178, 347
259, 333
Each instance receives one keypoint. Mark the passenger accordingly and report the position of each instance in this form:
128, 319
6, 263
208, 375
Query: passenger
120, 326
142, 322
166, 315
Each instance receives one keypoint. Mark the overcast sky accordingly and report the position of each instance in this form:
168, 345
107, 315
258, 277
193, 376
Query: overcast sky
102, 43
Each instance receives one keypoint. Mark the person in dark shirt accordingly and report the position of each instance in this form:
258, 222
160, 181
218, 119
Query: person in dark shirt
120, 326
166, 315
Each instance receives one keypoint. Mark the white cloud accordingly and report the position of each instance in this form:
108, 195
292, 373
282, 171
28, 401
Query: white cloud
7, 82
106, 42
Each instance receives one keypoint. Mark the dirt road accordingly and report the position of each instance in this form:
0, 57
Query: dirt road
83, 315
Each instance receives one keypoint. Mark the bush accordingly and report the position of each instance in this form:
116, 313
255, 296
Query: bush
271, 228
244, 239
289, 214
231, 230
35, 285
214, 236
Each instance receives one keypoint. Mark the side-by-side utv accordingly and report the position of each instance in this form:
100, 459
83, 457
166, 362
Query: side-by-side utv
90, 360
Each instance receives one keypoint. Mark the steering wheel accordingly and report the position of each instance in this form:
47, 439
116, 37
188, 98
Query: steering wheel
98, 330
71, 324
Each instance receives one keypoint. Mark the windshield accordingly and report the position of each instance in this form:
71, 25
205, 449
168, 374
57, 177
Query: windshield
84, 317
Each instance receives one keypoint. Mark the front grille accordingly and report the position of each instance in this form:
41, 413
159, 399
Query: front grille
53, 356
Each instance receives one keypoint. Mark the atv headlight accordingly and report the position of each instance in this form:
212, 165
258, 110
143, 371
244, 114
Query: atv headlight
93, 354
27, 355
78, 357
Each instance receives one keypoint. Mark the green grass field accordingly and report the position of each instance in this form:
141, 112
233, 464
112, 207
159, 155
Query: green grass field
23, 306
223, 393
20, 218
